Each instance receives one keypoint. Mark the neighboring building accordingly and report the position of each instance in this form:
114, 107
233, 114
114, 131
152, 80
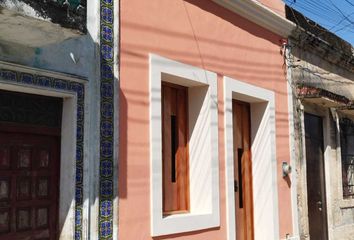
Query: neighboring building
321, 72
57, 116
204, 121
210, 103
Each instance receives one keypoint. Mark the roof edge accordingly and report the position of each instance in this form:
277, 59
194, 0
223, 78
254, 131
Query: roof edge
257, 13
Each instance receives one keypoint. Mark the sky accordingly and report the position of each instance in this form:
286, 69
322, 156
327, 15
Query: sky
335, 15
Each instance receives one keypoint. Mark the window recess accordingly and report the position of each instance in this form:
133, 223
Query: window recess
184, 161
347, 153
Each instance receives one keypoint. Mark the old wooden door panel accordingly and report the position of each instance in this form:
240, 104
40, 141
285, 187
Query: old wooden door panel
242, 171
29, 173
317, 212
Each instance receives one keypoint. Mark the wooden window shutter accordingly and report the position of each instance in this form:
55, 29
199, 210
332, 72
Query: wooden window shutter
175, 149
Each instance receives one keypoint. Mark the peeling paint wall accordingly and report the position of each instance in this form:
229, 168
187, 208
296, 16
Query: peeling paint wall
32, 34
312, 70
35, 43
73, 56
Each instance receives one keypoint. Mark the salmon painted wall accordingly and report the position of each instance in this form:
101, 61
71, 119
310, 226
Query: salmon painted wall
202, 34
276, 6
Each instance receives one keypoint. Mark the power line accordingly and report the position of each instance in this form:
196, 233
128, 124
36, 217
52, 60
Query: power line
340, 11
329, 14
349, 2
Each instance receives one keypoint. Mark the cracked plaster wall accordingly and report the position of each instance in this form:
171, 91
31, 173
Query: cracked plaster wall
43, 34
309, 69
73, 56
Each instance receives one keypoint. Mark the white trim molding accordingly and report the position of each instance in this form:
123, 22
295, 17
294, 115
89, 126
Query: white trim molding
256, 12
203, 147
264, 165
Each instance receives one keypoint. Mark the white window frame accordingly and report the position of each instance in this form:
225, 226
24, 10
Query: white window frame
264, 164
203, 147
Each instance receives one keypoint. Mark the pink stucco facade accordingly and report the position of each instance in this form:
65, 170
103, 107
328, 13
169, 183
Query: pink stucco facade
274, 5
202, 34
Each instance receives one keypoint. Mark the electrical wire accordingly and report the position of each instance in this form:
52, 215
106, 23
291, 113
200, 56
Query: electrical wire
332, 18
325, 11
349, 2
340, 11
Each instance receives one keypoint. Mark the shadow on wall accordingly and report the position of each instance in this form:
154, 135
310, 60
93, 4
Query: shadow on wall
134, 94
231, 66
238, 21
137, 59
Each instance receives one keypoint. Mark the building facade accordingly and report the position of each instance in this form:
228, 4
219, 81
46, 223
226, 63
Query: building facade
320, 69
204, 121
58, 81
179, 119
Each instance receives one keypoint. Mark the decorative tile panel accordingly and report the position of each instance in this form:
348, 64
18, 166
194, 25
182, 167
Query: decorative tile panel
106, 121
27, 78
78, 235
78, 219
50, 83
106, 13
106, 229
106, 208
107, 33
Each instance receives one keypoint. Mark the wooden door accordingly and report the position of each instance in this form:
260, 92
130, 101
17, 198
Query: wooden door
316, 194
29, 173
242, 171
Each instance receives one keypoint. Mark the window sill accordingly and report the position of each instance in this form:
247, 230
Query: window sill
167, 214
185, 222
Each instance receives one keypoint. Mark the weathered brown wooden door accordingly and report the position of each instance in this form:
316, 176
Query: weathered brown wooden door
29, 173
316, 194
242, 171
